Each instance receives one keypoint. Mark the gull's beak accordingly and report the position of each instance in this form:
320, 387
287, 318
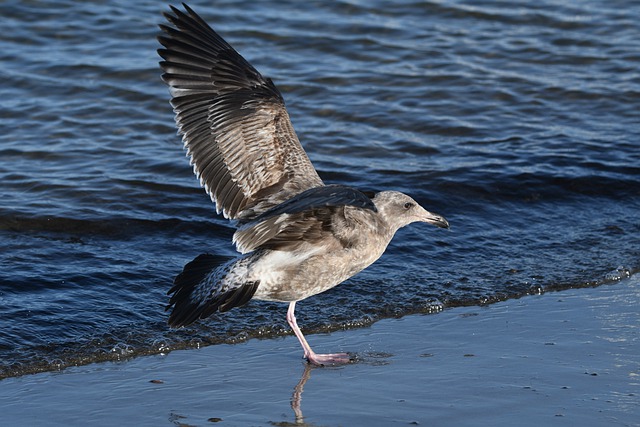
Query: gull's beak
434, 219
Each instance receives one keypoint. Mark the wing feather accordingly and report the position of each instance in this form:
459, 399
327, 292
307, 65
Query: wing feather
233, 121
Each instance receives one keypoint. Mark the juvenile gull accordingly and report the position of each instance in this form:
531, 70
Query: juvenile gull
298, 237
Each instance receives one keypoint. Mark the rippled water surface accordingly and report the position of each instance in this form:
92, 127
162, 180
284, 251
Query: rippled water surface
520, 124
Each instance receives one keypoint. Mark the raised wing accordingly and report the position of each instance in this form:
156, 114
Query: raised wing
234, 124
306, 218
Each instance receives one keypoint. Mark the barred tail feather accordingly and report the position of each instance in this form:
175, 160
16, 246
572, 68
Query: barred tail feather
194, 297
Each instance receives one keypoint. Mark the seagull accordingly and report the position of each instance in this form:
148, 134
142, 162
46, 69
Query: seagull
297, 236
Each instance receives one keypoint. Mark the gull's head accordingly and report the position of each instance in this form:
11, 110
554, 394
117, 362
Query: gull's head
399, 210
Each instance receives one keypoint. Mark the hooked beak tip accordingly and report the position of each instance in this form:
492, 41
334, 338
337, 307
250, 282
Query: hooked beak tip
437, 220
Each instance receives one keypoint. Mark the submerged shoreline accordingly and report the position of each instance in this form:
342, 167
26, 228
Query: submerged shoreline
561, 358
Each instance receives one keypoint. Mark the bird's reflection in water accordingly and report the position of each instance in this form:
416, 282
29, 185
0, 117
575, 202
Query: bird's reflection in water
371, 358
296, 397
296, 401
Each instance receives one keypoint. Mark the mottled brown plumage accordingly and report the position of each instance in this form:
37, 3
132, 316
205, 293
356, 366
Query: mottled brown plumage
235, 127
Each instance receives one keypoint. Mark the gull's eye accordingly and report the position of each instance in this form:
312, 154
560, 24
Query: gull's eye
408, 205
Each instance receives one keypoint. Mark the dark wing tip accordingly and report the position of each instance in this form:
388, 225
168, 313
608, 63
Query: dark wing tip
178, 14
186, 307
186, 310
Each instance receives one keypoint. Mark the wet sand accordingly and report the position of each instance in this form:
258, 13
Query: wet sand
558, 359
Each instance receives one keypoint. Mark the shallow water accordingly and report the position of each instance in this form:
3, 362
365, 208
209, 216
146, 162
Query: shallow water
520, 125
569, 358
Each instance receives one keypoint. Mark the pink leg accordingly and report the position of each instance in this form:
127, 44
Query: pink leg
313, 358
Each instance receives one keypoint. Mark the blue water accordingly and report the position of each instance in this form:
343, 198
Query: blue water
520, 124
